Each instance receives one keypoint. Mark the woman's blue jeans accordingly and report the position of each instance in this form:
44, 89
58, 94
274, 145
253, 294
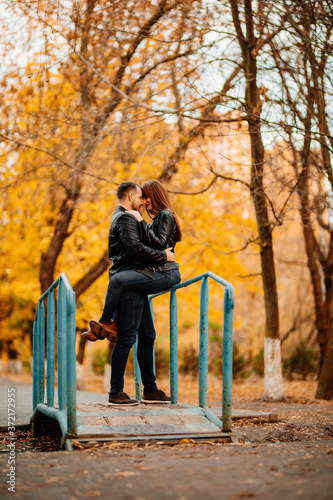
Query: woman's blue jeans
135, 282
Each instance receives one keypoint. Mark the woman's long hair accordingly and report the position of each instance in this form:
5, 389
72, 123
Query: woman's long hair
160, 200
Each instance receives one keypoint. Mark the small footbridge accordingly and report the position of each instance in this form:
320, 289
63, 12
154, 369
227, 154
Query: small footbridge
86, 422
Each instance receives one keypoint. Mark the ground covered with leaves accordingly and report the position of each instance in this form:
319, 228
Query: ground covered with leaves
301, 417
299, 420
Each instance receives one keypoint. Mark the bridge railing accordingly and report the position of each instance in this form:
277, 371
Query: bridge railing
227, 357
65, 411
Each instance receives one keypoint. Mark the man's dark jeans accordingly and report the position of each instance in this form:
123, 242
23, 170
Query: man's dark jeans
136, 282
134, 318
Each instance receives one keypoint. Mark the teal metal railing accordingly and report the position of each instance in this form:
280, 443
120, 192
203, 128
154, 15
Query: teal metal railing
229, 300
65, 412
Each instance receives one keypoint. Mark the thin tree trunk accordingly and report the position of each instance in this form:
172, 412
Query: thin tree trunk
325, 383
314, 254
302, 172
311, 246
305, 22
325, 337
91, 275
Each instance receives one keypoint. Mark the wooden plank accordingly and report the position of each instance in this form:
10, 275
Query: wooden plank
225, 436
140, 410
179, 409
240, 413
144, 429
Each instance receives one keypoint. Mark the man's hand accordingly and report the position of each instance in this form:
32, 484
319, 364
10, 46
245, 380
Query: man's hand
170, 255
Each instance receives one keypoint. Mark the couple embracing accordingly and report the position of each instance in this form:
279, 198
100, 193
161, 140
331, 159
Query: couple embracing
143, 263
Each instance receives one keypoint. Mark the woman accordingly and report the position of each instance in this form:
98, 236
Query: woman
163, 232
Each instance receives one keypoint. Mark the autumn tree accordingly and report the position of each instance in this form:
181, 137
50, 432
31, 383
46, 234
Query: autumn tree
107, 98
111, 49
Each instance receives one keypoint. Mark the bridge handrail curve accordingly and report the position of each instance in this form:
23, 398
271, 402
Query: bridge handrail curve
227, 355
65, 412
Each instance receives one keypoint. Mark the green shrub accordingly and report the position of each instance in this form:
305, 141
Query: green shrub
258, 363
99, 360
303, 361
239, 363
189, 361
162, 359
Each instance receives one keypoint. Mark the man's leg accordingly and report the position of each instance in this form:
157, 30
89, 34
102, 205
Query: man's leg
129, 318
146, 338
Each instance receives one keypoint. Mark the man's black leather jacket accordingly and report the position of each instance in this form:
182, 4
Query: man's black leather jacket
126, 247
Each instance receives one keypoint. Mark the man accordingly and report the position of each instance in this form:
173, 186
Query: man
127, 251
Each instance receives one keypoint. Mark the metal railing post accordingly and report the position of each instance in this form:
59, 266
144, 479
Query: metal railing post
71, 363
50, 335
152, 317
35, 355
41, 352
227, 359
62, 346
173, 348
137, 372
203, 348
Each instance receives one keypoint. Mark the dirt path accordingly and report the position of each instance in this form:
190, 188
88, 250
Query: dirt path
186, 471
289, 459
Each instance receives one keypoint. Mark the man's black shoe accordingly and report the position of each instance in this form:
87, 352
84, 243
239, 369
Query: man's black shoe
155, 397
121, 399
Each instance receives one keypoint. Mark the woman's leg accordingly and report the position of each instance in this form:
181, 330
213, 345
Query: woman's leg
135, 282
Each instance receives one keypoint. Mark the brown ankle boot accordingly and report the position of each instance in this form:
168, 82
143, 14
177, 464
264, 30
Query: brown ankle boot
105, 330
89, 335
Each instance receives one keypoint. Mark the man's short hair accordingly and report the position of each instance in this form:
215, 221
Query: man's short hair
125, 187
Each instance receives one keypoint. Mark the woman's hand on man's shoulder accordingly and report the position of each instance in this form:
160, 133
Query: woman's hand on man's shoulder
135, 214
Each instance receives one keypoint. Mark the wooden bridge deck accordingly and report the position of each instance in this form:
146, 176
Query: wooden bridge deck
100, 422
145, 421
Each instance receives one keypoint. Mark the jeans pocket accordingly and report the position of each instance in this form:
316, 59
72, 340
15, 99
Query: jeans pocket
174, 278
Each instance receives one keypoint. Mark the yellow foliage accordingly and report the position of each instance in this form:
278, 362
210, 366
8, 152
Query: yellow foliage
50, 113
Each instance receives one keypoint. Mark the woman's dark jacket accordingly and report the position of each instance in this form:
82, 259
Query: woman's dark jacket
160, 234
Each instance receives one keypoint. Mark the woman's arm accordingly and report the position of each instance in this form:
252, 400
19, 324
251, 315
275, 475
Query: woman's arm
158, 235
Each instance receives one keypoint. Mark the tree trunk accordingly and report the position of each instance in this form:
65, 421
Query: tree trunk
307, 23
311, 247
274, 390
273, 373
325, 383
311, 242
318, 261
91, 275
